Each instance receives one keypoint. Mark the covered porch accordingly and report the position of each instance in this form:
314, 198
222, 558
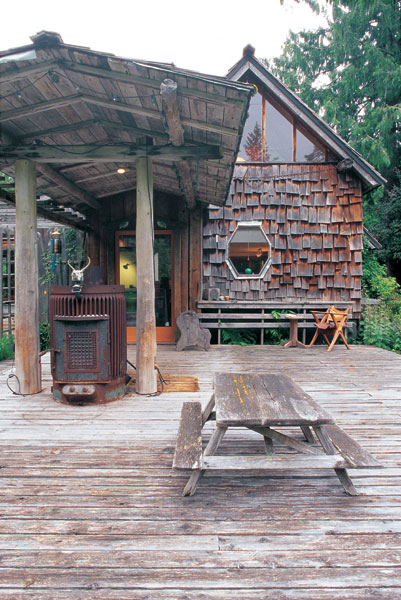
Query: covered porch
93, 510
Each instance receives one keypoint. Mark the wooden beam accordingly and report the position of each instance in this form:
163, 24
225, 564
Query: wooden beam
69, 153
151, 113
68, 185
14, 74
83, 124
56, 130
49, 215
168, 91
145, 313
27, 345
31, 109
48, 171
154, 83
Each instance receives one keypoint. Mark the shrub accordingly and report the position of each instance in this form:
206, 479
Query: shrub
241, 337
6, 347
44, 336
381, 323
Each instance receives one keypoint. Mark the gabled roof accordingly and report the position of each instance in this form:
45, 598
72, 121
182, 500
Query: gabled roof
249, 64
56, 95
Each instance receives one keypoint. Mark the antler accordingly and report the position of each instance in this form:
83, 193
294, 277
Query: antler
70, 265
86, 266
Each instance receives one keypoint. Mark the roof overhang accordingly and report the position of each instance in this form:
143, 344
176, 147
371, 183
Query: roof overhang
370, 178
81, 114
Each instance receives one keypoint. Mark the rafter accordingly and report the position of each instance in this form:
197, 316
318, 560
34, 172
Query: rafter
48, 214
30, 109
14, 75
68, 185
23, 111
168, 91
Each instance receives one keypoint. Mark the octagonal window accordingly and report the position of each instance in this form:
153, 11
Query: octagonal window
248, 251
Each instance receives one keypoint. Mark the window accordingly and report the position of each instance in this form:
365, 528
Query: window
272, 135
248, 251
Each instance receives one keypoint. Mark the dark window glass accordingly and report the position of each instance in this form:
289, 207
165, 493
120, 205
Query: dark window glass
278, 136
307, 151
251, 144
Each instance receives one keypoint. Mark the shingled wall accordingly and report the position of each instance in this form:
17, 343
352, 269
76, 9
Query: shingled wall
312, 216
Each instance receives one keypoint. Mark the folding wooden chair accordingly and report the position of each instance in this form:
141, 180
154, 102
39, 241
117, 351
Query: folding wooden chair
330, 323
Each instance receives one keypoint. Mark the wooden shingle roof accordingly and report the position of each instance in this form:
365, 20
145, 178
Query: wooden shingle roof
81, 114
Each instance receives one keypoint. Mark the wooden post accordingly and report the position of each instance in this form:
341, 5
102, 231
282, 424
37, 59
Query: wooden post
145, 313
27, 346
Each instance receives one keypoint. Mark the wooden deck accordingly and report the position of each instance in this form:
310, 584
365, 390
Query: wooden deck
92, 510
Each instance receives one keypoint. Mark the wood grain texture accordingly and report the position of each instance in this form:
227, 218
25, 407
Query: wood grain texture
253, 399
188, 449
92, 510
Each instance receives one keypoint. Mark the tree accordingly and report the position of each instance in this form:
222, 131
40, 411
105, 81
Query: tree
253, 144
350, 74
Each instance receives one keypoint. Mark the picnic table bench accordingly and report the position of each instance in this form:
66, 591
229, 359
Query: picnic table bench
263, 403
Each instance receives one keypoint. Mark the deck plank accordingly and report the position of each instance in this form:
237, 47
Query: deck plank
92, 510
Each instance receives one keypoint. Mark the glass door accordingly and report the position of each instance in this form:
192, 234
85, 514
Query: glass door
163, 270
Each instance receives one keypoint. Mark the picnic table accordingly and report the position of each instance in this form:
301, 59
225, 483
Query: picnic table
265, 403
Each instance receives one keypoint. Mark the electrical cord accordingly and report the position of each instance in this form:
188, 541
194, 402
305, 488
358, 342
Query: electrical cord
19, 393
161, 379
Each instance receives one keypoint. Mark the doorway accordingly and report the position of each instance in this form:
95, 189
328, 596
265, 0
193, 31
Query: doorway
163, 272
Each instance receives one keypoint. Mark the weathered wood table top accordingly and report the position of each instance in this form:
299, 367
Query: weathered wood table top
250, 399
261, 402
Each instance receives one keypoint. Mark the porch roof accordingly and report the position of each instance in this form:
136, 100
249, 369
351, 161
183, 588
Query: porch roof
81, 114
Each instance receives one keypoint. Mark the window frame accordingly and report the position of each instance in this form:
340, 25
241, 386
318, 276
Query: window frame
229, 263
296, 125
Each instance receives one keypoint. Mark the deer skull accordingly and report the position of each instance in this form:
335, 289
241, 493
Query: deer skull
77, 278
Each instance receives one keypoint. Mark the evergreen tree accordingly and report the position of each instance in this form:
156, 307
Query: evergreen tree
350, 74
253, 143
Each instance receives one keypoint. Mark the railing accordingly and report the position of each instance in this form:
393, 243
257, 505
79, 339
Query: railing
219, 315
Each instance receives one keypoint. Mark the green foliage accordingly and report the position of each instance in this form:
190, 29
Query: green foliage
6, 347
350, 74
44, 336
381, 321
240, 337
48, 273
381, 326
276, 335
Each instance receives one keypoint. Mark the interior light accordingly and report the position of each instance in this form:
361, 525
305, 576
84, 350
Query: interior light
121, 170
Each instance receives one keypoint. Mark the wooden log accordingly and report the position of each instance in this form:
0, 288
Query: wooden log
168, 91
27, 345
146, 319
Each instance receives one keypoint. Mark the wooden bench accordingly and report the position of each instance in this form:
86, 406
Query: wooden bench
261, 403
221, 314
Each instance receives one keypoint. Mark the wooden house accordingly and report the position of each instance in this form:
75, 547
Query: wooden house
290, 231
128, 151
141, 157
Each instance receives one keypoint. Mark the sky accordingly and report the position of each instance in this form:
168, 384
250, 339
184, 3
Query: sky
206, 36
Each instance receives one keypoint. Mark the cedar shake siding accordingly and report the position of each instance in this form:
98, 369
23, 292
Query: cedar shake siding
312, 216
